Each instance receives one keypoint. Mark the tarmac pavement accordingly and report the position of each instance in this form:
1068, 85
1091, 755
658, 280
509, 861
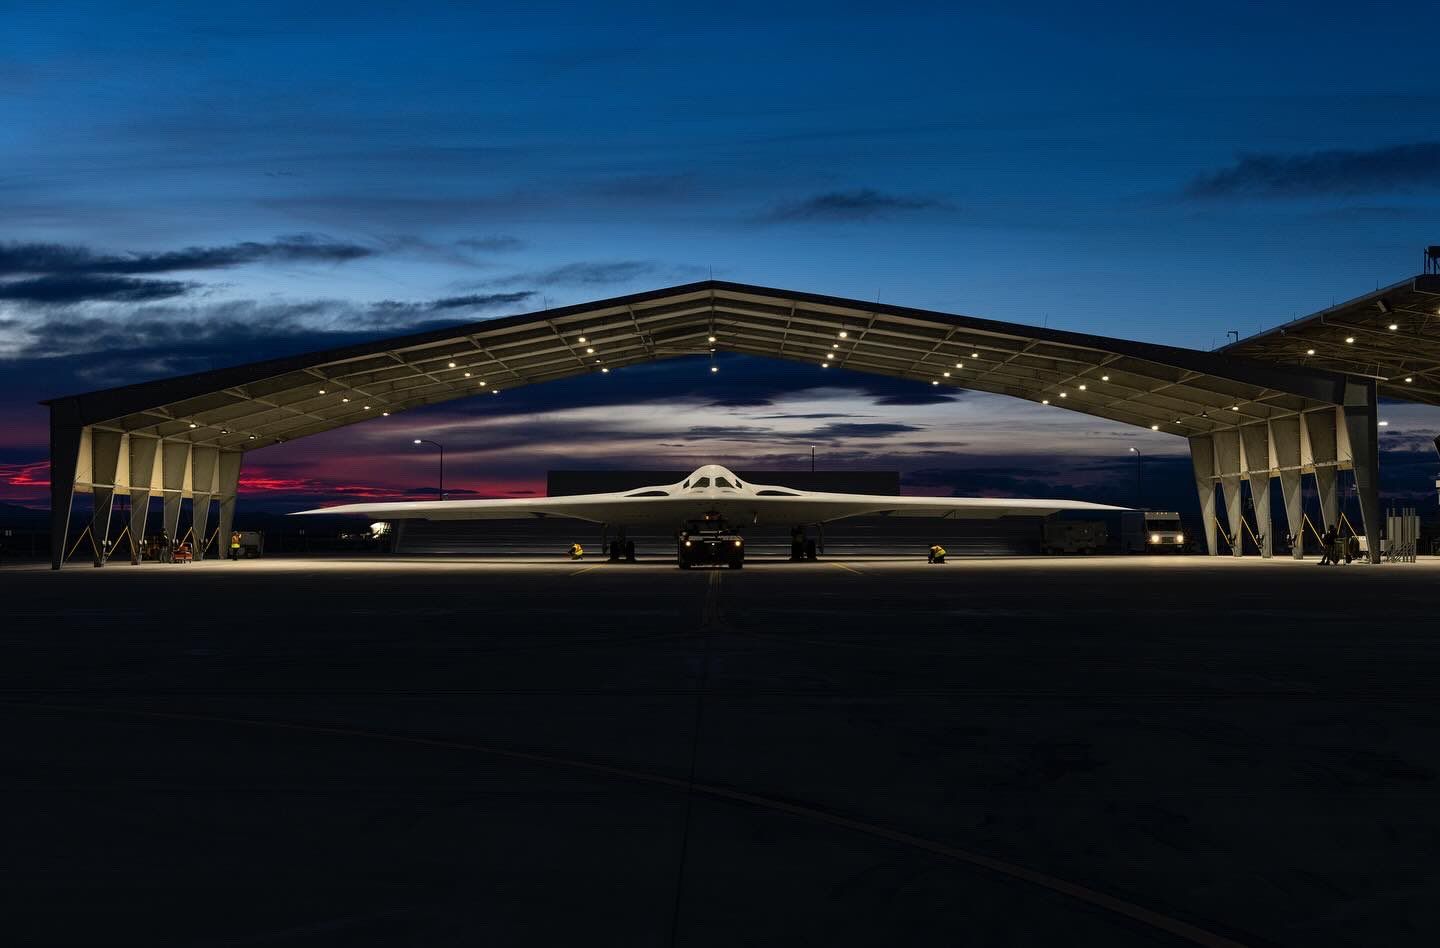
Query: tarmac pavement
860, 751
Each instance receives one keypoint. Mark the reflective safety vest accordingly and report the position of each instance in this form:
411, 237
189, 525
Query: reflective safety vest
937, 550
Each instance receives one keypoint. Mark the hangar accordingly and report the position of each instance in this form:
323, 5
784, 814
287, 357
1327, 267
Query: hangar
1269, 407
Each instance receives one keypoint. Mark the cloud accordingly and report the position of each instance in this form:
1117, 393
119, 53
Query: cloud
834, 430
497, 243
862, 430
919, 398
55, 259
481, 300
478, 301
730, 433
173, 338
1334, 171
78, 288
857, 205
741, 400
807, 416
582, 274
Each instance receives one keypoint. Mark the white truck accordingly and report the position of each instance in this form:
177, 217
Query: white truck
1159, 531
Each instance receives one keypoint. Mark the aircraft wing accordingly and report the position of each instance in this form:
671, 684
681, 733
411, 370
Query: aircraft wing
595, 508
824, 508
785, 507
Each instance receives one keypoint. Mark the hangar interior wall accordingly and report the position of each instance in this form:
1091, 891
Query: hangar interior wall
1317, 443
108, 462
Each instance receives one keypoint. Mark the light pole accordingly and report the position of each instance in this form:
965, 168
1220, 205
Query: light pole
812, 459
1139, 473
442, 461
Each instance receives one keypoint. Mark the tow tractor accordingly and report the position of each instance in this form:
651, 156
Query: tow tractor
709, 542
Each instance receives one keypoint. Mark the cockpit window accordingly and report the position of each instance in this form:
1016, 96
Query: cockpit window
721, 482
702, 482
685, 486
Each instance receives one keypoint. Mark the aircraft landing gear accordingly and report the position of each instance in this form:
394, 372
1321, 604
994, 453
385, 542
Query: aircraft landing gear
621, 547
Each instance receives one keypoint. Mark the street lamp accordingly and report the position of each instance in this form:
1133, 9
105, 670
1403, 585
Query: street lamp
1139, 472
812, 459
442, 461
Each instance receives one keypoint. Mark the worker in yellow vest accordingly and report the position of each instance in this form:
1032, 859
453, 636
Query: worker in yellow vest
937, 554
577, 552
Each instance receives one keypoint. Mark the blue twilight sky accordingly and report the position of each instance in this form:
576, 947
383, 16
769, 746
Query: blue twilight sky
184, 185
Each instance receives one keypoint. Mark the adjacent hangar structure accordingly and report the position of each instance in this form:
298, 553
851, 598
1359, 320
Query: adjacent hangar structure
1297, 402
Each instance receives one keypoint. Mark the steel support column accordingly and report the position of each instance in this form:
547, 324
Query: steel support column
1286, 435
1202, 458
1361, 425
174, 459
1227, 457
1256, 439
142, 474
104, 465
229, 485
64, 456
203, 460
1320, 426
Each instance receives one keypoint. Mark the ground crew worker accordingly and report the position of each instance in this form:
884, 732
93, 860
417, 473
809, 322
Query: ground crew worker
577, 552
1328, 543
235, 545
937, 554
165, 555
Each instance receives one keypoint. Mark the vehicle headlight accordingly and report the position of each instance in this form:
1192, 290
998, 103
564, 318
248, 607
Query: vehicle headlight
737, 542
1154, 538
1179, 538
687, 542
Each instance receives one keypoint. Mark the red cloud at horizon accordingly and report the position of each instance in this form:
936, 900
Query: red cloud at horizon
279, 484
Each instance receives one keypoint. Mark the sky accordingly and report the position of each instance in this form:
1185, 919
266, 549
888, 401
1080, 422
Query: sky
186, 185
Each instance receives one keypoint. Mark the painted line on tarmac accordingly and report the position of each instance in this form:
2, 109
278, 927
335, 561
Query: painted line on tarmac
1080, 893
847, 568
585, 569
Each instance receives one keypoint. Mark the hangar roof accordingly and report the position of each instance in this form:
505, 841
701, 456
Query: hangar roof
1392, 335
1181, 391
